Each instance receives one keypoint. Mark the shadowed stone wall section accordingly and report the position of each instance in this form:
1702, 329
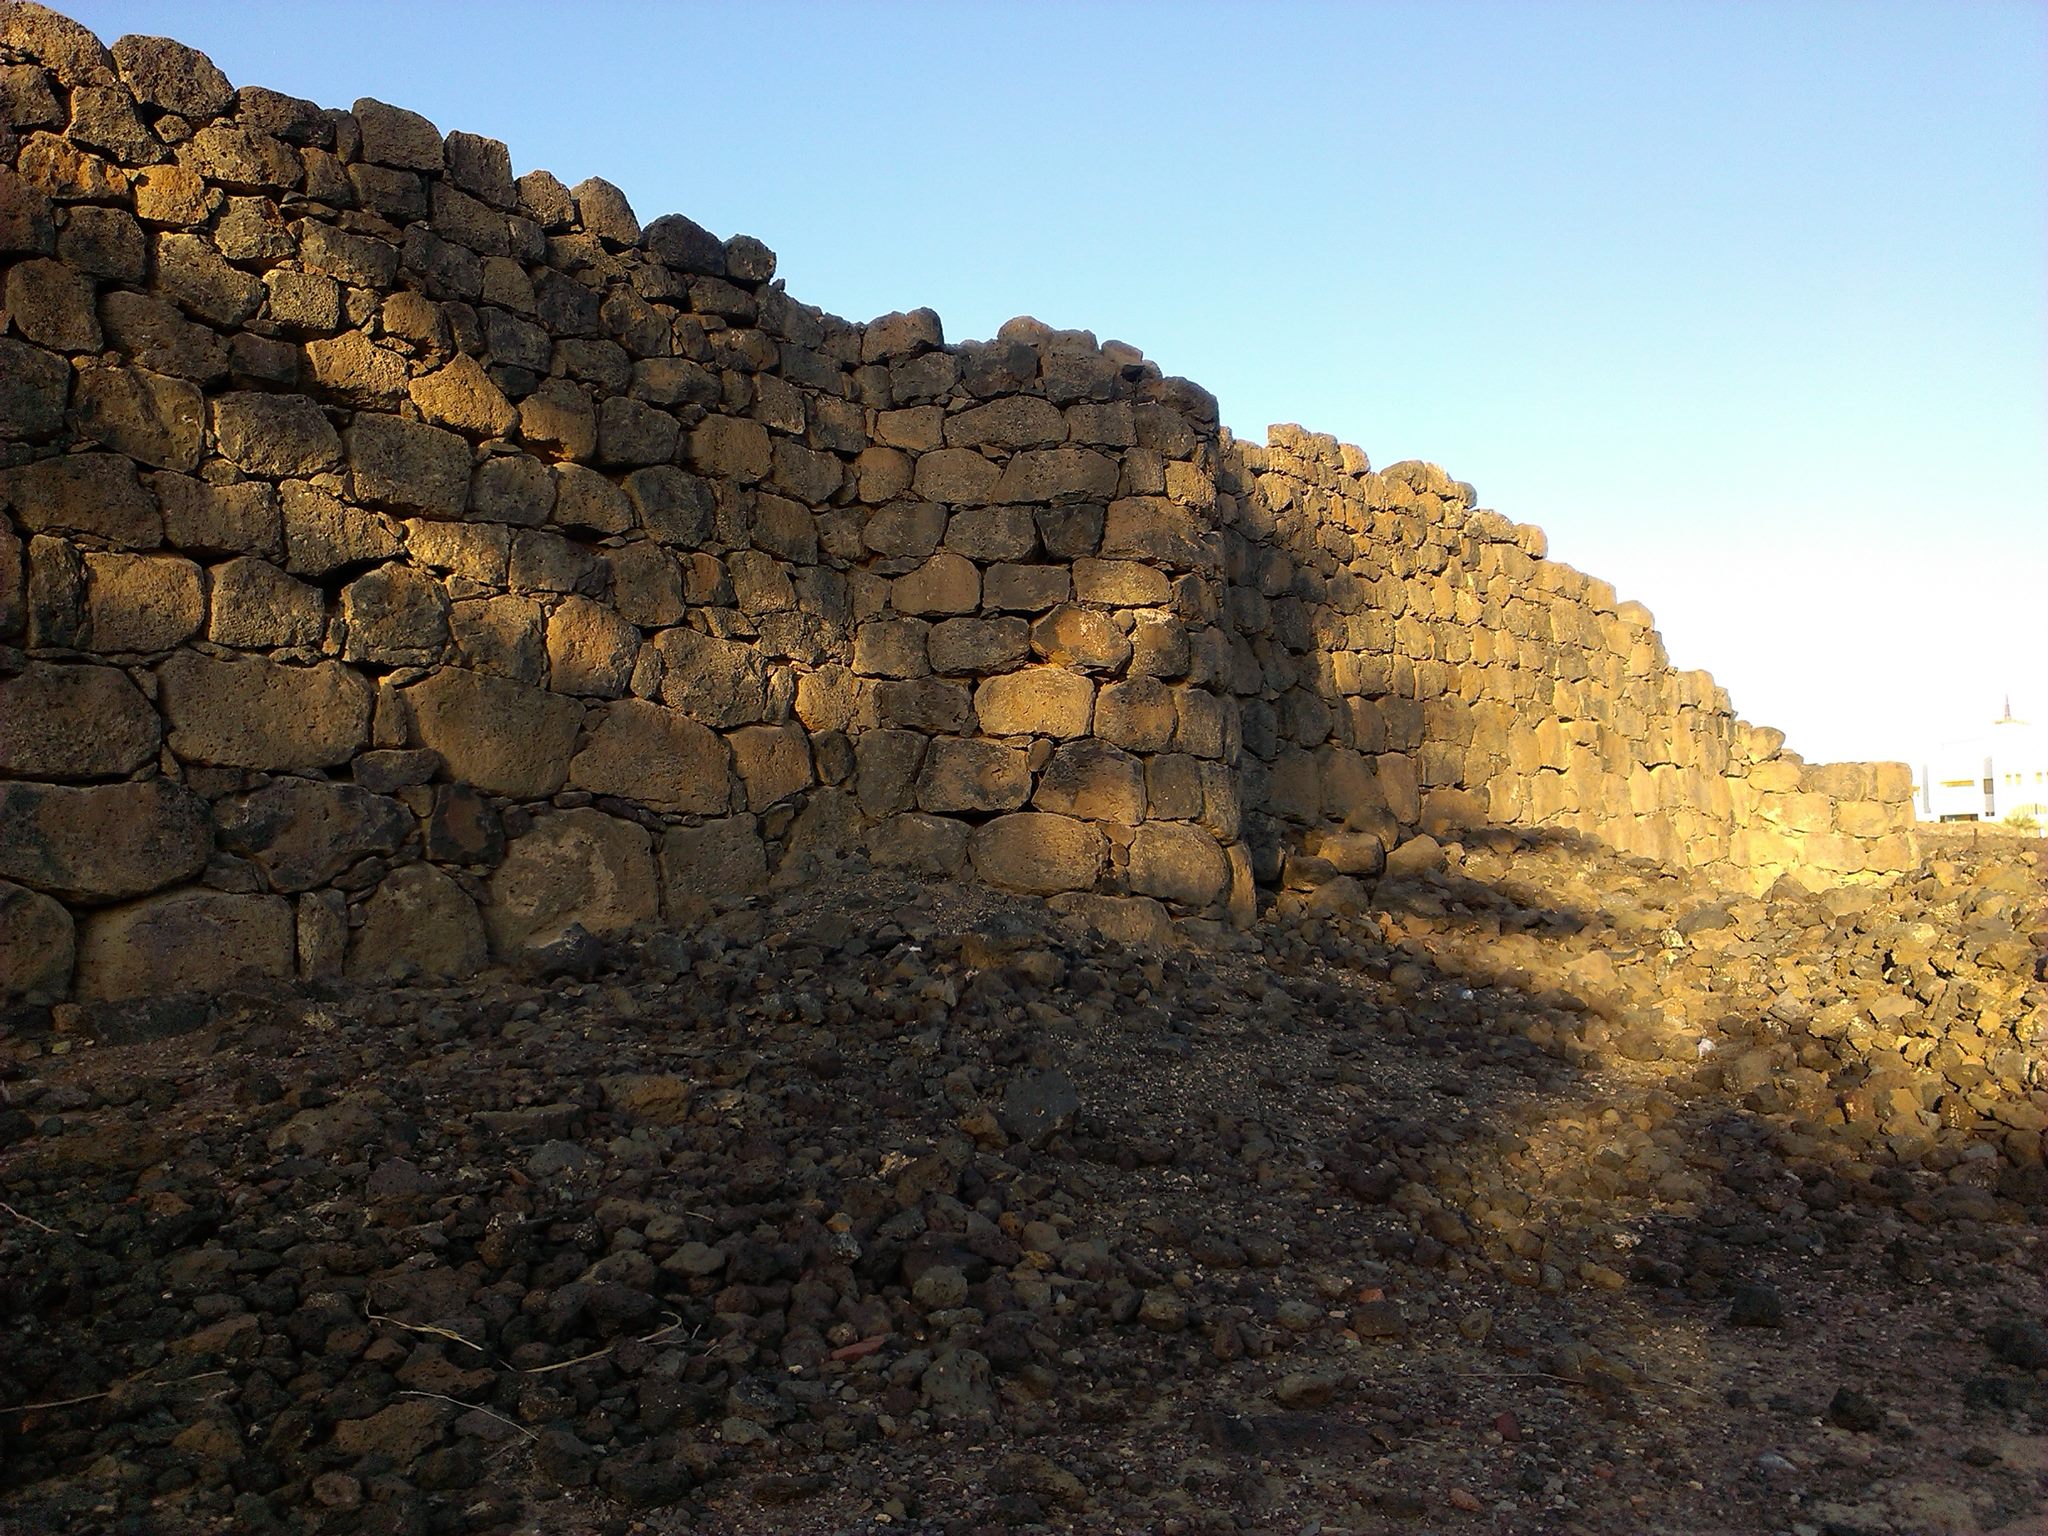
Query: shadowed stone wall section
404, 562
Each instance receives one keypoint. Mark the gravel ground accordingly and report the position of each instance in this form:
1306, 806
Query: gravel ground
1535, 1193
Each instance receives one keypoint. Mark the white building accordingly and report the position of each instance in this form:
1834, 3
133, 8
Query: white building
1998, 774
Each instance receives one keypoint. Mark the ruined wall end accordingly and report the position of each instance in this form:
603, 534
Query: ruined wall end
404, 562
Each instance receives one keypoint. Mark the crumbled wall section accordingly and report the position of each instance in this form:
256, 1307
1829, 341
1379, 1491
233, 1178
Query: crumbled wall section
405, 562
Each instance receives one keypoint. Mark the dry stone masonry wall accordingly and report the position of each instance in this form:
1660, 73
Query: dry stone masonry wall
405, 562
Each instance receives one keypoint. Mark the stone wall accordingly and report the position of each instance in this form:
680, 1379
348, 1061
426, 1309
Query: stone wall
404, 562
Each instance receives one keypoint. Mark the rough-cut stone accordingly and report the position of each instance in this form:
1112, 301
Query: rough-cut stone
276, 436
461, 395
36, 946
713, 863
1038, 701
163, 72
323, 534
396, 615
253, 713
102, 842
158, 420
1080, 638
946, 583
419, 923
142, 602
302, 833
66, 722
1037, 853
973, 646
1094, 781
256, 606
393, 136
499, 735
408, 465
1057, 475
955, 476
184, 941
93, 493
574, 867
716, 681
1178, 863
643, 751
591, 649
773, 762
975, 776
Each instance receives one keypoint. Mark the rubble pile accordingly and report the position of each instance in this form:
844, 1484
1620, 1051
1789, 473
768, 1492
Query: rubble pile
881, 1205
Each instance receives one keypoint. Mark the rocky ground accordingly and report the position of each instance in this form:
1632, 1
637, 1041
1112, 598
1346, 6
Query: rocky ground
1531, 1190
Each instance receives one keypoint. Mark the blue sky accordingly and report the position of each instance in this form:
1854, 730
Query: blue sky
1742, 302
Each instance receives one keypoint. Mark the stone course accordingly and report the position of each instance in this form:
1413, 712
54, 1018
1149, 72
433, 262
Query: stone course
404, 563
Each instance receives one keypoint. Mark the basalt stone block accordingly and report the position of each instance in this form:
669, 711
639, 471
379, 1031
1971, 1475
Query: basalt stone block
184, 941
1038, 853
420, 922
731, 448
591, 649
142, 602
1082, 638
1094, 781
34, 387
102, 842
323, 534
409, 465
715, 863
901, 335
257, 606
1121, 583
52, 306
919, 704
1156, 531
155, 336
461, 395
165, 74
1177, 863
74, 722
396, 615
578, 867
393, 136
1137, 714
955, 476
586, 499
978, 645
974, 776
716, 681
659, 757
1057, 475
1038, 701
1017, 421
93, 493
646, 584
220, 519
302, 833
147, 416
946, 583
36, 946
1026, 588
773, 762
502, 636
252, 713
501, 736
194, 276
389, 769
464, 827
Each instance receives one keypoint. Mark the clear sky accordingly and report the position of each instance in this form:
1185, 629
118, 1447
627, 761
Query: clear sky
1743, 302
